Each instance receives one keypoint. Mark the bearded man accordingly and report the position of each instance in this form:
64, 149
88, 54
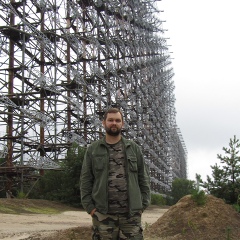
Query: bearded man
115, 183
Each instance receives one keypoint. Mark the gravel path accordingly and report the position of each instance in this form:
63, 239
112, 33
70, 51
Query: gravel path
23, 226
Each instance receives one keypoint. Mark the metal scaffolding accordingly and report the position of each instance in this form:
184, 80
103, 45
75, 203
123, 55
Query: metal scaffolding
63, 63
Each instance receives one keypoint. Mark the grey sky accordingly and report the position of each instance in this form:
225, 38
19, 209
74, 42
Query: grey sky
205, 41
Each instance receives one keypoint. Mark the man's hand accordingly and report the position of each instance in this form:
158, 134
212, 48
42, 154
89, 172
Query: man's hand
93, 211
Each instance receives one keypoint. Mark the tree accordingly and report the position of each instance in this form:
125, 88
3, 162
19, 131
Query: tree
198, 195
226, 176
63, 185
180, 188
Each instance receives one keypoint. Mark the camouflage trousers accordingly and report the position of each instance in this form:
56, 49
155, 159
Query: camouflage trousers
116, 227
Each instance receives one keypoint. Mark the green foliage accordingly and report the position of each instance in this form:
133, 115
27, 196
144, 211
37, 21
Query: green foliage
199, 197
236, 207
157, 199
21, 195
228, 230
181, 188
146, 225
2, 160
169, 200
62, 185
226, 176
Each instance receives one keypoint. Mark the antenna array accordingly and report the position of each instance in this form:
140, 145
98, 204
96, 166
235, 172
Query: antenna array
63, 63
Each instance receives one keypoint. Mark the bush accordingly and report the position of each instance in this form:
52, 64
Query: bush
21, 195
236, 207
157, 199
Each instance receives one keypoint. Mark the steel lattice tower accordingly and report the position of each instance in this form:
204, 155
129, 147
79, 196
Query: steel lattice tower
63, 62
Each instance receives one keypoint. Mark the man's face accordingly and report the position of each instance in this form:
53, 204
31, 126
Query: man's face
113, 124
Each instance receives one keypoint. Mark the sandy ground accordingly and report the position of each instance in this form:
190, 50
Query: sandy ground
23, 226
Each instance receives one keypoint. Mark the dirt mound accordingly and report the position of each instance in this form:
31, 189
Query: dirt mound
78, 233
188, 221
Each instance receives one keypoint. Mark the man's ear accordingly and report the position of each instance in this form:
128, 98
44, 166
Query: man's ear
103, 123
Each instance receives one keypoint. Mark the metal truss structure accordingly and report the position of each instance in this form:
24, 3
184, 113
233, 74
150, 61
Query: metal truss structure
63, 63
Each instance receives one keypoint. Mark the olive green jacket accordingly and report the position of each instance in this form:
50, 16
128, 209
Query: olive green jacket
94, 177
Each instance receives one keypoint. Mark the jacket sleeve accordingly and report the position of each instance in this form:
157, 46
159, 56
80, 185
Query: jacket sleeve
144, 181
86, 183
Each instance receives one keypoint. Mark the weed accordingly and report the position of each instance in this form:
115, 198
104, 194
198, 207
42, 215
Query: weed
146, 225
228, 233
184, 230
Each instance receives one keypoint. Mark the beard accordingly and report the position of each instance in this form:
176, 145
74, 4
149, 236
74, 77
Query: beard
112, 132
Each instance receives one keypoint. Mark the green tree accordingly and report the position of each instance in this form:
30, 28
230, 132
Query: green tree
226, 176
180, 188
62, 185
198, 195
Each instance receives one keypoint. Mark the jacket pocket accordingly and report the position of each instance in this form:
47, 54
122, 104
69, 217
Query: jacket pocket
99, 164
132, 161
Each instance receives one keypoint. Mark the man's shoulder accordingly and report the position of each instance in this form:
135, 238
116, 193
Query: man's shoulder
96, 143
130, 142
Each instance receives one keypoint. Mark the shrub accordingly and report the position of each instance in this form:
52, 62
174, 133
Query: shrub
157, 199
236, 207
21, 195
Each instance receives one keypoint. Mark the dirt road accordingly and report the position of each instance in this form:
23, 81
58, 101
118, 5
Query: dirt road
32, 226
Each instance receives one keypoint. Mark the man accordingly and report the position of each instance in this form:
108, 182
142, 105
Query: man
115, 183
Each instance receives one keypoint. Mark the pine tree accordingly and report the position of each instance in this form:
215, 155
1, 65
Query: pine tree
226, 176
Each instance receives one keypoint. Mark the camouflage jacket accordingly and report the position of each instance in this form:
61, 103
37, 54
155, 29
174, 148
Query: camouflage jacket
94, 177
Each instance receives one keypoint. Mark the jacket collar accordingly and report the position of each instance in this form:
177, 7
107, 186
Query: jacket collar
126, 142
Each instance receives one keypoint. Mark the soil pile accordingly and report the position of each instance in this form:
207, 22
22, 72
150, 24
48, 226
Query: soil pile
77, 233
183, 221
188, 221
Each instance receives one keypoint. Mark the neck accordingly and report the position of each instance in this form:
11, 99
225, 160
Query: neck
113, 139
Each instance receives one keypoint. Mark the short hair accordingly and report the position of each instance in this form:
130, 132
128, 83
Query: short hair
112, 110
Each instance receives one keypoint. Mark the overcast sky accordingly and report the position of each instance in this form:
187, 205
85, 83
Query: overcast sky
205, 41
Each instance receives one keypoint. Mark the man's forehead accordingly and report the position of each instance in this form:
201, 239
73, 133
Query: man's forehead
114, 115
